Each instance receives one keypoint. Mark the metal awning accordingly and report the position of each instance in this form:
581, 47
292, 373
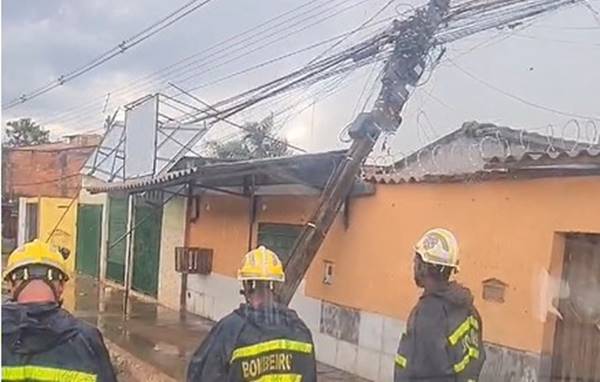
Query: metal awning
310, 171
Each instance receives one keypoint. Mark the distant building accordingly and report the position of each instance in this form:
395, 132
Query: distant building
46, 170
38, 185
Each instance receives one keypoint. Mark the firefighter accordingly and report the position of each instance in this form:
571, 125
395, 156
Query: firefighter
40, 340
260, 340
443, 341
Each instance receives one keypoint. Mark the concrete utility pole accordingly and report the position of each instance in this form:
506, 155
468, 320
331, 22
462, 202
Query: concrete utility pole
413, 40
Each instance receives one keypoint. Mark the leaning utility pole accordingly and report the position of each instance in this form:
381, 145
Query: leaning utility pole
413, 40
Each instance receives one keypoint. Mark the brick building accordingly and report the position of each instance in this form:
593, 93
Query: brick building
40, 171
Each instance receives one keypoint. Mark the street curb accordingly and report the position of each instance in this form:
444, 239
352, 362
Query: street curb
130, 368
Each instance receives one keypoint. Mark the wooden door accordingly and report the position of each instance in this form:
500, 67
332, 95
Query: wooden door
576, 354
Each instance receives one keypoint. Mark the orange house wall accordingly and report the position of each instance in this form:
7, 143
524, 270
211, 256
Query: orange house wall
222, 226
506, 230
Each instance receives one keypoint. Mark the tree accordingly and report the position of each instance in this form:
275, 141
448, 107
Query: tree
258, 142
25, 132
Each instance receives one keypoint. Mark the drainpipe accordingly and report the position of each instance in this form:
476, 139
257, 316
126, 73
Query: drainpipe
186, 242
251, 211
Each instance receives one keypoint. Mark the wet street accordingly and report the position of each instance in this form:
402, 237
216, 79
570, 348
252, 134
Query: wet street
154, 334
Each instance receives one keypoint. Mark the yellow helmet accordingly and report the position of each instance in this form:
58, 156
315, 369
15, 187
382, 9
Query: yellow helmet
261, 264
438, 246
36, 253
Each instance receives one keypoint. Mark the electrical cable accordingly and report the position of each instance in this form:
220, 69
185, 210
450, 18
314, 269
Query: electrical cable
158, 72
242, 127
242, 45
529, 13
593, 11
536, 8
110, 54
520, 99
572, 42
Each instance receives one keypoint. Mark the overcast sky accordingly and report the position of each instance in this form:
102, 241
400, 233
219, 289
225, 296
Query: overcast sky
554, 64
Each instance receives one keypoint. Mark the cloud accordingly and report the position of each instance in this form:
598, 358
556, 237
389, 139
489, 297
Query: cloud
42, 40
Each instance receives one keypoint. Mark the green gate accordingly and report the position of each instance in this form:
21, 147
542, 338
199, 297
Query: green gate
89, 233
146, 248
279, 238
117, 227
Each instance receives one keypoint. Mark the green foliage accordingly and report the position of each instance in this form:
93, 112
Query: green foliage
25, 132
257, 142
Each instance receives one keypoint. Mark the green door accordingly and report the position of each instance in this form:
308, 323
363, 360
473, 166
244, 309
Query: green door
117, 227
146, 248
279, 238
89, 233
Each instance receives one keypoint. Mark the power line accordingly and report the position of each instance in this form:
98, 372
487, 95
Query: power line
496, 14
156, 73
493, 17
138, 38
360, 27
572, 42
242, 127
568, 28
592, 10
177, 69
268, 62
251, 68
515, 97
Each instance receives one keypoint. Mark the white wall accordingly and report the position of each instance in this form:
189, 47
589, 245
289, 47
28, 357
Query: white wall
87, 198
21, 222
215, 296
172, 236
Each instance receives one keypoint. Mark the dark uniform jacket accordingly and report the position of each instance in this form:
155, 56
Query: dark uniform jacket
270, 344
41, 341
443, 342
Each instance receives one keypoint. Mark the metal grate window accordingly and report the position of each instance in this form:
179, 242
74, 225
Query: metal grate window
193, 260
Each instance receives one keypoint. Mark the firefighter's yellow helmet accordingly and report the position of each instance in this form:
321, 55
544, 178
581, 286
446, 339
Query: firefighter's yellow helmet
438, 246
261, 264
36, 253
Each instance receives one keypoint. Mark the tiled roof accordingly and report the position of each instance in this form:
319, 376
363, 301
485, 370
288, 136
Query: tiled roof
581, 162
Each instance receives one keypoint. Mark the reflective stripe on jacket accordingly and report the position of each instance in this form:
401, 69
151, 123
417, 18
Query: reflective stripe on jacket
443, 342
42, 342
267, 345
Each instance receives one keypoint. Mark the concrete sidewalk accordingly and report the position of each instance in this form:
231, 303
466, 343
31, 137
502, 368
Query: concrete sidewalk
153, 334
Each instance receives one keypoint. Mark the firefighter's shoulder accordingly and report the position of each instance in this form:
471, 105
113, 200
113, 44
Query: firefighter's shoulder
428, 307
299, 324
